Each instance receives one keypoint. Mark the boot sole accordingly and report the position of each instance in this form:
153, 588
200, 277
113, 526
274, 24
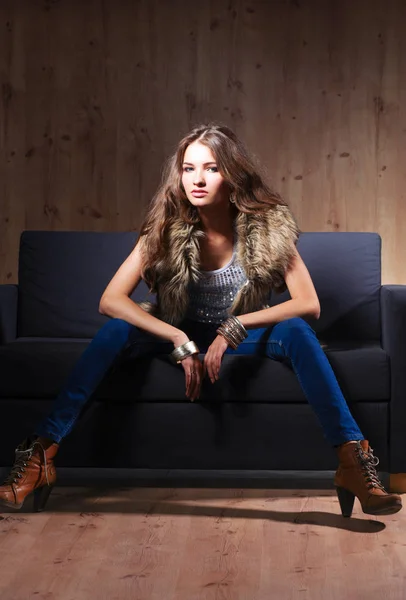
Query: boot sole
11, 504
41, 495
390, 510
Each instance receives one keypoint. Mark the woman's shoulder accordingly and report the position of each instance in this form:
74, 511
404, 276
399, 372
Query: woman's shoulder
281, 217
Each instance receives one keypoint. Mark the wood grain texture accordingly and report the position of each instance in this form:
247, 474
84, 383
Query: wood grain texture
95, 94
199, 544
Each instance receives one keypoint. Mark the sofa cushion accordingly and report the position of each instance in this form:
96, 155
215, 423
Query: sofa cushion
197, 436
35, 368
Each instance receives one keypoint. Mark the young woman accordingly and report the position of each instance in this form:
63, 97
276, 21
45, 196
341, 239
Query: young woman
215, 242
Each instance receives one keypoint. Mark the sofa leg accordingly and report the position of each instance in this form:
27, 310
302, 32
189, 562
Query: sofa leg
397, 483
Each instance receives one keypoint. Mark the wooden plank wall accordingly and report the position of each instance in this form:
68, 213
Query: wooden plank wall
96, 93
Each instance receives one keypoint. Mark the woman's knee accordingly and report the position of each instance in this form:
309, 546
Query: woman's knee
115, 330
292, 329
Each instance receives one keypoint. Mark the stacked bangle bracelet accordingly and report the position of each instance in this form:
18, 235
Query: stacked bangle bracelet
233, 331
182, 352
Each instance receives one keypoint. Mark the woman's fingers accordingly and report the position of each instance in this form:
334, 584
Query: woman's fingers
208, 366
199, 378
195, 387
210, 371
188, 382
213, 365
193, 373
196, 390
187, 367
218, 367
192, 376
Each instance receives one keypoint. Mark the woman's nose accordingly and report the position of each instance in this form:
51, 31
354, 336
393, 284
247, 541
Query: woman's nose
198, 178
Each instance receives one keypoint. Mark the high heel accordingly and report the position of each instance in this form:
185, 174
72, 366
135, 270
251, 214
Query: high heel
33, 472
346, 499
41, 496
357, 476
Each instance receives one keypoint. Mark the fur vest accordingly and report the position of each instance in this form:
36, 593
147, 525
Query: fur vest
265, 245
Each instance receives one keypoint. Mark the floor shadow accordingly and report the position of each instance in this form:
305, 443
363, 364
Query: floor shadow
76, 502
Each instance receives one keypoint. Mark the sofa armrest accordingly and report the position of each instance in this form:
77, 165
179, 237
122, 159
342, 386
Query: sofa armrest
393, 307
8, 312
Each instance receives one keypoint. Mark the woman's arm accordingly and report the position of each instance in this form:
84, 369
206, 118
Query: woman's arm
304, 301
116, 302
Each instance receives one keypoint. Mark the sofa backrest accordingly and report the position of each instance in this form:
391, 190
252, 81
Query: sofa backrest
346, 270
62, 276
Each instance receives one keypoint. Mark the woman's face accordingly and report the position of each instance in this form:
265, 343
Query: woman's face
203, 184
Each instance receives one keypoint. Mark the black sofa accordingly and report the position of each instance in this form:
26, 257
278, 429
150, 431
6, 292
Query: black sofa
254, 418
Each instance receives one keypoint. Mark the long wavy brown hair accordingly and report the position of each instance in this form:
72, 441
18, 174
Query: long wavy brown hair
249, 191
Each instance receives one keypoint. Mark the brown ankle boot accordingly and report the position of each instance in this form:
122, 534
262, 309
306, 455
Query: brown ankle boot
33, 471
356, 476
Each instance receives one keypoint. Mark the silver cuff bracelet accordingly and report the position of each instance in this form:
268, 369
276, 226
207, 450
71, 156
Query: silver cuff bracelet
182, 352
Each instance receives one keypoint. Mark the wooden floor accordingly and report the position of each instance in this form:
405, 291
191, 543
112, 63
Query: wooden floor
189, 544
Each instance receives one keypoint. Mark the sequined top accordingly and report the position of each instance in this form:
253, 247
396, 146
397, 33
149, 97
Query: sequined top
213, 294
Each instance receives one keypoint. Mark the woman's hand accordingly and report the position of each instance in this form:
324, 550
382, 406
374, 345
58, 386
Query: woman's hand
194, 374
213, 358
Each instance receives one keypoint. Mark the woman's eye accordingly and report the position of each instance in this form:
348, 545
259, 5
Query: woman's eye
189, 169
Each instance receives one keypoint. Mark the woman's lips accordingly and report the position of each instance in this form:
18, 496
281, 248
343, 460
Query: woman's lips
199, 194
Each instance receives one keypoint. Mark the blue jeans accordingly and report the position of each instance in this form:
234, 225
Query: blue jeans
293, 341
